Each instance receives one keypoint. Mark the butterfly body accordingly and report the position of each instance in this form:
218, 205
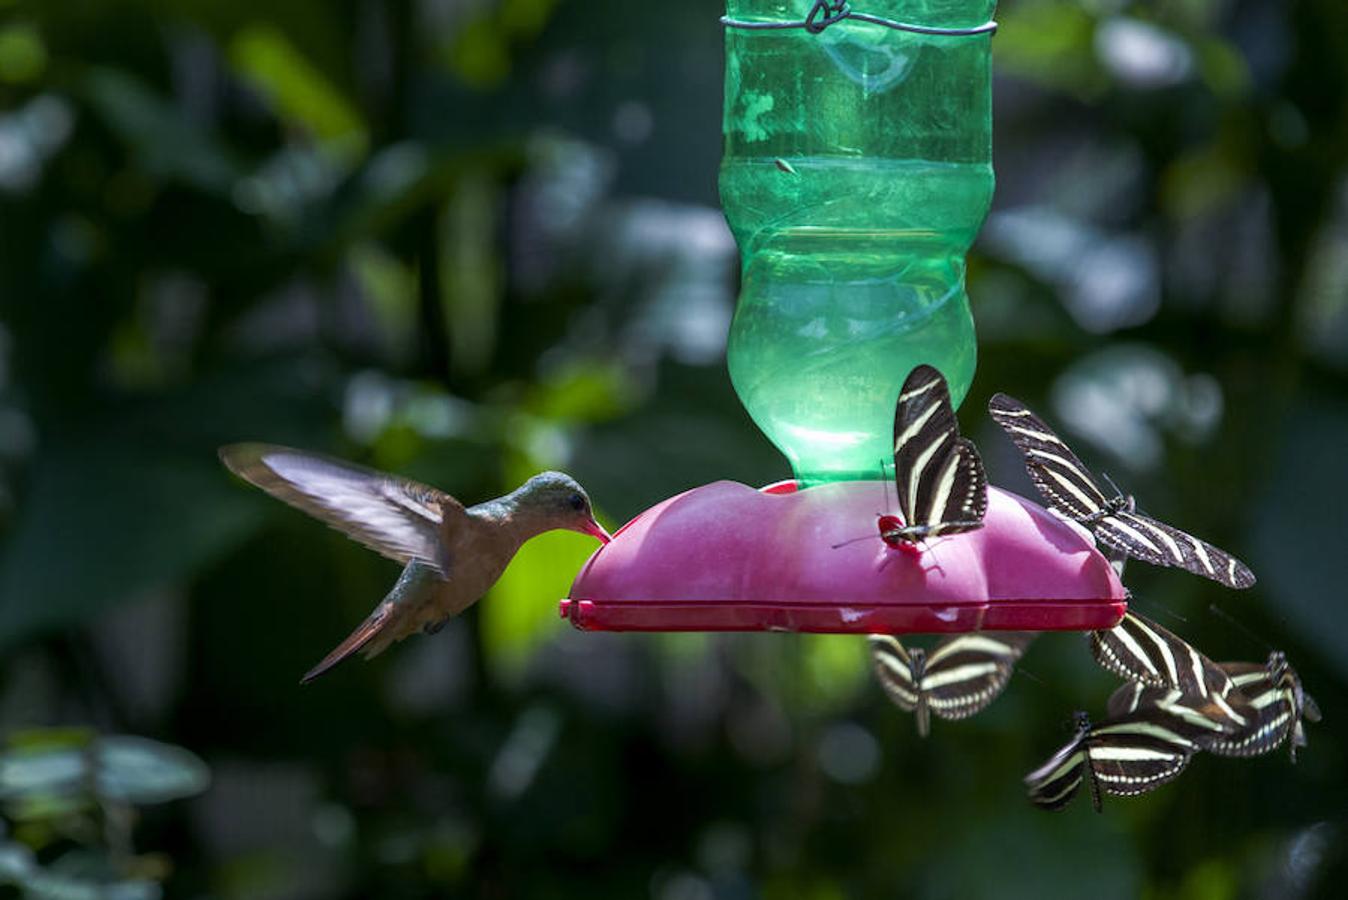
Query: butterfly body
1139, 650
959, 677
1280, 705
1123, 756
1240, 709
1072, 491
942, 488
1113, 506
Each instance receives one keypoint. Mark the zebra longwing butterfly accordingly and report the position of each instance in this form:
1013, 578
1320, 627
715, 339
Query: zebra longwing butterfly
961, 676
1199, 720
1124, 757
1279, 703
941, 483
1069, 488
1139, 650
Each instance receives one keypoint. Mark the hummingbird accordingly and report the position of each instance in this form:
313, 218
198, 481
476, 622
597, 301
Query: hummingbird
451, 554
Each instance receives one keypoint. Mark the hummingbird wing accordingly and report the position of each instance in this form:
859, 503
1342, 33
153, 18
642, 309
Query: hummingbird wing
396, 517
398, 615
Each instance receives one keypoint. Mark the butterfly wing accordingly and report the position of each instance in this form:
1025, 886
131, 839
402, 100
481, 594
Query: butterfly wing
1062, 478
939, 475
1275, 715
1196, 720
1140, 650
894, 669
965, 673
1164, 545
1054, 784
1136, 755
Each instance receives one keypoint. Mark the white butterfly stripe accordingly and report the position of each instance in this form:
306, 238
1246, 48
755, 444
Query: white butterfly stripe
1115, 753
1125, 637
1070, 487
975, 643
1196, 668
1266, 699
1132, 532
1193, 716
918, 391
1059, 765
1067, 789
1042, 436
1145, 728
883, 644
958, 674
1163, 647
945, 483
907, 699
1220, 700
1175, 552
920, 466
914, 427
898, 669
1201, 551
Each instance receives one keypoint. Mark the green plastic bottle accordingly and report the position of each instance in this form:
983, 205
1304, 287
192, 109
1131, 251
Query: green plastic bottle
857, 171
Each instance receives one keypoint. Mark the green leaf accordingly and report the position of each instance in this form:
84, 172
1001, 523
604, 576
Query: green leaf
42, 779
163, 140
589, 390
1049, 42
139, 770
23, 56
299, 93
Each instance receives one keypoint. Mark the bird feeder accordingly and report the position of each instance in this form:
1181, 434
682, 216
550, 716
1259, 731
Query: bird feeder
857, 171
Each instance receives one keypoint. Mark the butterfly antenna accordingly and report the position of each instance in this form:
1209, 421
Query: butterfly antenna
864, 537
1040, 683
1239, 626
1156, 607
1114, 487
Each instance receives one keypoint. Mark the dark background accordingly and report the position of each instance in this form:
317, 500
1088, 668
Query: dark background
466, 241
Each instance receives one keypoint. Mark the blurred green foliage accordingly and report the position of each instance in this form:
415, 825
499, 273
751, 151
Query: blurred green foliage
72, 795
467, 241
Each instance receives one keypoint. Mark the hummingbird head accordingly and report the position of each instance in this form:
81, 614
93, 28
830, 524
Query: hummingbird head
557, 499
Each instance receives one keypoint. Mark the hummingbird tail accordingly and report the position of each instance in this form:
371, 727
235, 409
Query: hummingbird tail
366, 632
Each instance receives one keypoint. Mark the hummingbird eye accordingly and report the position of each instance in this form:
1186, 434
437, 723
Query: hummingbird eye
576, 502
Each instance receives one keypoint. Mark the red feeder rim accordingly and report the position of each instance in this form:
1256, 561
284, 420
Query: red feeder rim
727, 557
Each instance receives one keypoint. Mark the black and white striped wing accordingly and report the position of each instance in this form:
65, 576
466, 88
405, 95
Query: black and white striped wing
1273, 691
1138, 649
1160, 544
1071, 489
1060, 476
894, 669
941, 483
966, 672
1124, 757
1197, 721
1137, 754
1054, 784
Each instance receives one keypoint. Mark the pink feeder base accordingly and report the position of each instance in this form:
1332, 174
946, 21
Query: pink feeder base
726, 557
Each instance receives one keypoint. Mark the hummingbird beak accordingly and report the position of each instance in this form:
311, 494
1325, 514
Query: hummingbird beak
595, 530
